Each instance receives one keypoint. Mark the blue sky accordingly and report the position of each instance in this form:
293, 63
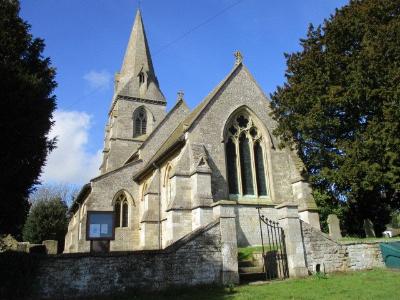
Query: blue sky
86, 40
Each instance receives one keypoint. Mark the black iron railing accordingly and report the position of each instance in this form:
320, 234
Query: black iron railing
273, 247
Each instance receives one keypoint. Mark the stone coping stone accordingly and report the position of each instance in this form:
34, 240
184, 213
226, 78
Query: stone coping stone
170, 249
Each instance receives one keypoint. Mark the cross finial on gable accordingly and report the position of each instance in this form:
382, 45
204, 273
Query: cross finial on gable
238, 56
180, 95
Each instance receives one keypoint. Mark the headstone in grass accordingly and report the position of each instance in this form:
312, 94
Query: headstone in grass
334, 227
369, 228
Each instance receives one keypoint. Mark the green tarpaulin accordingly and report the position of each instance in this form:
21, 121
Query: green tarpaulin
391, 254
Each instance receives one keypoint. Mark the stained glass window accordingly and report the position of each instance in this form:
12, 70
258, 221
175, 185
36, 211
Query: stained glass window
242, 121
125, 214
245, 165
117, 211
260, 171
232, 168
245, 158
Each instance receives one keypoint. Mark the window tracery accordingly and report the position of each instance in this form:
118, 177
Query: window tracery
245, 158
140, 119
121, 210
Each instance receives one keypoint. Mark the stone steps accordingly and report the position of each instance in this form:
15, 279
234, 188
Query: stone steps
250, 271
246, 263
250, 277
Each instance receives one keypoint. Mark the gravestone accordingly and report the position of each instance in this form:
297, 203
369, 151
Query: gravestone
334, 227
369, 228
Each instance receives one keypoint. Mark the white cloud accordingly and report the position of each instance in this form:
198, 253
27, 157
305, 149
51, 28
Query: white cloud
98, 79
71, 162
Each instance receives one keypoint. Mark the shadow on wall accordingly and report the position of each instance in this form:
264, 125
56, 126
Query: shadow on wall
241, 236
218, 182
194, 260
219, 187
318, 266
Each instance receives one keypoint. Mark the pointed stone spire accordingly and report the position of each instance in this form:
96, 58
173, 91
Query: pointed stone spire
137, 78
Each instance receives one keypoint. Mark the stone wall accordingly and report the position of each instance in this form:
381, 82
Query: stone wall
104, 190
121, 140
327, 255
248, 223
195, 259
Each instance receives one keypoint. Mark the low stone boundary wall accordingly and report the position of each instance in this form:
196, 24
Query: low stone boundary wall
195, 259
9, 243
326, 255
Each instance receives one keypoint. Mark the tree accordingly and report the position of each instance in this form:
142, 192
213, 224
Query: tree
66, 192
340, 108
48, 217
47, 220
26, 85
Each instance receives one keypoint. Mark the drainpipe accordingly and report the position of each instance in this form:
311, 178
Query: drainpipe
159, 206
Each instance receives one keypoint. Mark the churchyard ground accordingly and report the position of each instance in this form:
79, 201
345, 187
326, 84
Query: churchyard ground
373, 284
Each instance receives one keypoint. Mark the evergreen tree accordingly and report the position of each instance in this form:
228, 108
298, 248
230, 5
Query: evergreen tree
47, 220
27, 103
340, 107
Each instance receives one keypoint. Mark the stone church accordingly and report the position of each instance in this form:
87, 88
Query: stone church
164, 173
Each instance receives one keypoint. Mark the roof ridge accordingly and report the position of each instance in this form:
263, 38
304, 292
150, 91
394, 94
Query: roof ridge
178, 103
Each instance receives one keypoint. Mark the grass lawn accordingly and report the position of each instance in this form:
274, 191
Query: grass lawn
375, 284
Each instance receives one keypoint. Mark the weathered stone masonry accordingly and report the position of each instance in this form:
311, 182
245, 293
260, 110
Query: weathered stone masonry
332, 256
193, 260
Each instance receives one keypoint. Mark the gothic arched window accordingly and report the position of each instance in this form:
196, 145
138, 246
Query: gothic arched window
246, 171
121, 210
117, 211
140, 120
124, 214
245, 158
232, 167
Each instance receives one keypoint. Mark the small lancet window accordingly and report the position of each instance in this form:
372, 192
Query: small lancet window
117, 211
124, 214
141, 78
121, 210
245, 158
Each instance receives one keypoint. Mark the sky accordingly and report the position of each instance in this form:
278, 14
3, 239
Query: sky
192, 45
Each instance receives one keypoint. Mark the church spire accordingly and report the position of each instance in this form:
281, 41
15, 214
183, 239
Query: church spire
137, 78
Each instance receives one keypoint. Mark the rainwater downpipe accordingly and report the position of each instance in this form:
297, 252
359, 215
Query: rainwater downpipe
159, 206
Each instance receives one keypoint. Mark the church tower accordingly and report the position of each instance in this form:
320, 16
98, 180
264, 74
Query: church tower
138, 104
